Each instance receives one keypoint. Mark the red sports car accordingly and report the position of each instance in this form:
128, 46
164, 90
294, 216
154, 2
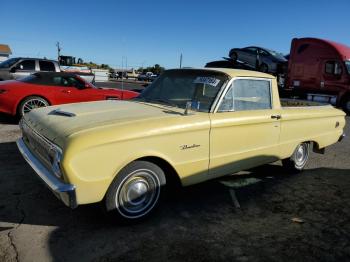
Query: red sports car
18, 97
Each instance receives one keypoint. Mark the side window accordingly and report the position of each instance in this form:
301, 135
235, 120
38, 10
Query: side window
247, 94
74, 82
227, 102
47, 66
58, 81
26, 65
253, 49
333, 68
64, 81
263, 53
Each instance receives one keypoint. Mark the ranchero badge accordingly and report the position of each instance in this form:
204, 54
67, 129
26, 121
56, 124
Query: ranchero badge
183, 147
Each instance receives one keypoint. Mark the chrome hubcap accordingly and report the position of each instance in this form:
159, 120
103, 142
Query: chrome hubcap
32, 104
138, 193
301, 155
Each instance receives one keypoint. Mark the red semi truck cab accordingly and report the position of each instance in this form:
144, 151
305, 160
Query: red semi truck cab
320, 70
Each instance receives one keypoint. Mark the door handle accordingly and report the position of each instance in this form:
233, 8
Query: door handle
277, 117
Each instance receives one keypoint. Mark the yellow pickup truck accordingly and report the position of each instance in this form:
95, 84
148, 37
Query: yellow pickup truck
188, 126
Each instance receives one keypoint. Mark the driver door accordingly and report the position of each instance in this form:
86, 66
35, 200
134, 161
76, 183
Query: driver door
245, 130
23, 68
71, 90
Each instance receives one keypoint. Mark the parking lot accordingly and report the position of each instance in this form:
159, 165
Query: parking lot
302, 217
126, 85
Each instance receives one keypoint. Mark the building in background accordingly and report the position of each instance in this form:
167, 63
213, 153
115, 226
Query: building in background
5, 52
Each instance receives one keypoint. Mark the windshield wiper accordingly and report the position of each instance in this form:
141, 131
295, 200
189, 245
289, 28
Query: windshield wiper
164, 101
155, 100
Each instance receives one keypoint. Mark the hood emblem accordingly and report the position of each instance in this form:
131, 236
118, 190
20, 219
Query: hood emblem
60, 112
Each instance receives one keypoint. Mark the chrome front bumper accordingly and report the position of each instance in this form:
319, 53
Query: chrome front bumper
65, 192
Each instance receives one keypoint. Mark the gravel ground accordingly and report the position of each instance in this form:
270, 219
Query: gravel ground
283, 217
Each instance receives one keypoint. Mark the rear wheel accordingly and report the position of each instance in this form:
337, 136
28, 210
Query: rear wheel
299, 158
31, 103
135, 192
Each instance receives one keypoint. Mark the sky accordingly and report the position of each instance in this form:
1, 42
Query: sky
143, 33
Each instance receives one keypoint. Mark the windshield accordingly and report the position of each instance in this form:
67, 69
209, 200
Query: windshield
347, 63
275, 54
9, 62
177, 87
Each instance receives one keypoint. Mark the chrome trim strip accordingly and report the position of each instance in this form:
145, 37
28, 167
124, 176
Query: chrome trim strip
218, 96
243, 77
221, 95
65, 192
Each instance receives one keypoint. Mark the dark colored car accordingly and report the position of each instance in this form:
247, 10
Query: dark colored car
122, 74
262, 59
43, 89
148, 77
228, 63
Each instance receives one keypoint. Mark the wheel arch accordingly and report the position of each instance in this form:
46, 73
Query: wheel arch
172, 177
25, 97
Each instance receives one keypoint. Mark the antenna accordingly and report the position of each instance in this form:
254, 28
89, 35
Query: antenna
58, 50
181, 60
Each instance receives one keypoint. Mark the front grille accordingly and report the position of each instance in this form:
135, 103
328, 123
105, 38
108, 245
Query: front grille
39, 145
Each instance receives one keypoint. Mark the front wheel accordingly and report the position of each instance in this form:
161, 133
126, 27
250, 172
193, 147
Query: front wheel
299, 158
31, 103
135, 191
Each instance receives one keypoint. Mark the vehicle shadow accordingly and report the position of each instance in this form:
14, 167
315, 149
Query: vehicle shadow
194, 223
8, 120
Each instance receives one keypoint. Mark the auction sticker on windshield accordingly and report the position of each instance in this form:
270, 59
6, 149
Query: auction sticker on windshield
207, 80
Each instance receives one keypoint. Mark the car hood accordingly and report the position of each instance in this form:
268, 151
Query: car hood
56, 123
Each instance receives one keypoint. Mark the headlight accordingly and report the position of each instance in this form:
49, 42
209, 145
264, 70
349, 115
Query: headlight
55, 157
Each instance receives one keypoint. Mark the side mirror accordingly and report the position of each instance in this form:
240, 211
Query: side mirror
13, 70
337, 69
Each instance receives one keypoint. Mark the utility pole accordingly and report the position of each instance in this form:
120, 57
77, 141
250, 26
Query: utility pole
181, 60
58, 50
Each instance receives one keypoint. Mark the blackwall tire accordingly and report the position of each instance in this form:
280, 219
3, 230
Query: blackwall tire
346, 104
31, 103
135, 192
299, 159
